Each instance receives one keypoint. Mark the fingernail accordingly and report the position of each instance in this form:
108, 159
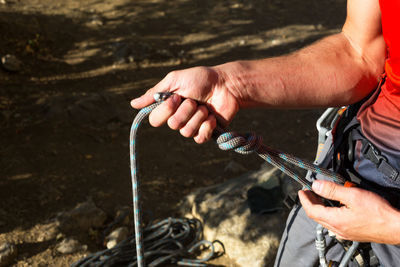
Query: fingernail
317, 186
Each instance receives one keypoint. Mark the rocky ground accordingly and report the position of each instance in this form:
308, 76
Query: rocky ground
65, 116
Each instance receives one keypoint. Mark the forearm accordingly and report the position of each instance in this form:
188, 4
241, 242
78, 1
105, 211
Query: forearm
327, 73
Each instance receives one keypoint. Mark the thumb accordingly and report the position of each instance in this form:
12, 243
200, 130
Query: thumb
331, 190
148, 98
144, 100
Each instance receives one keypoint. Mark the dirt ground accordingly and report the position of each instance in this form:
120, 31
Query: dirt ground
65, 116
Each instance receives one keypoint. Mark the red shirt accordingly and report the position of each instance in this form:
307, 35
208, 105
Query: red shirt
390, 27
380, 115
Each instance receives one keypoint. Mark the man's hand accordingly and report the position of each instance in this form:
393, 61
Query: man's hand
207, 99
364, 216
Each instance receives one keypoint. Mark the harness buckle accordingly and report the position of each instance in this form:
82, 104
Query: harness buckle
381, 162
374, 155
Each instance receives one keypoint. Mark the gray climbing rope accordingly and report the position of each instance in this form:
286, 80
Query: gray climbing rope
243, 144
249, 143
142, 114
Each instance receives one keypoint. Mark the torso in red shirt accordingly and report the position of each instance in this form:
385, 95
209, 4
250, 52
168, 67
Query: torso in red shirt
380, 116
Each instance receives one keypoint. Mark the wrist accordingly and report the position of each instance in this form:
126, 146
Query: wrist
231, 78
257, 82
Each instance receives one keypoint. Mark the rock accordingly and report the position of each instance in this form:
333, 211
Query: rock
276, 42
122, 215
96, 21
164, 53
234, 167
11, 63
8, 252
249, 239
69, 246
123, 53
117, 236
83, 217
60, 236
3, 2
48, 231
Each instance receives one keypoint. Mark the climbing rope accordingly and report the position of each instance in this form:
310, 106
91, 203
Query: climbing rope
168, 241
249, 143
243, 144
226, 140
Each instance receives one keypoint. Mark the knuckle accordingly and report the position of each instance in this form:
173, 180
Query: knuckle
212, 121
173, 123
354, 197
190, 103
169, 106
153, 120
186, 131
171, 75
149, 91
331, 191
199, 139
203, 111
202, 140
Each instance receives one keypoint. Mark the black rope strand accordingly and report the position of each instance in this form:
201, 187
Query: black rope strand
173, 240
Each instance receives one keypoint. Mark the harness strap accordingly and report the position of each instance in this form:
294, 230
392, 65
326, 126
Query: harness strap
371, 153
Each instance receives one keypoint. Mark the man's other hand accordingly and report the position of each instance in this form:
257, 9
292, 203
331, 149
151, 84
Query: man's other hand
364, 216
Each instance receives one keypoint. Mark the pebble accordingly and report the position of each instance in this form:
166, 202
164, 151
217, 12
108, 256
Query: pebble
123, 53
60, 236
8, 252
276, 42
122, 215
96, 21
69, 246
11, 63
116, 236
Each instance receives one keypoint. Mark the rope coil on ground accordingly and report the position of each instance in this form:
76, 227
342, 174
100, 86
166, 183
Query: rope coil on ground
176, 241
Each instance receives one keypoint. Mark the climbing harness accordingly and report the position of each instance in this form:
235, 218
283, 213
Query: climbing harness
338, 129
